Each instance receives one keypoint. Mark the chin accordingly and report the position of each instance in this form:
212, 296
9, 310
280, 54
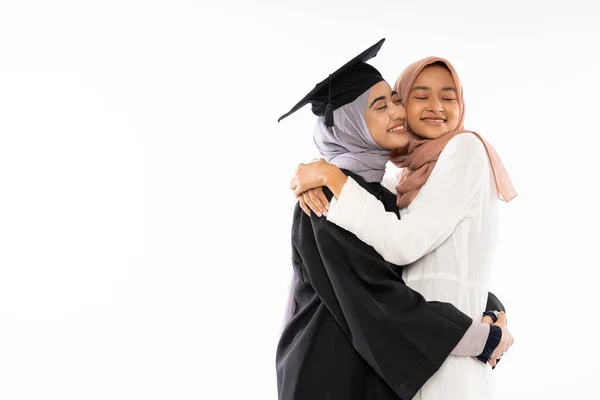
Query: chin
398, 144
433, 133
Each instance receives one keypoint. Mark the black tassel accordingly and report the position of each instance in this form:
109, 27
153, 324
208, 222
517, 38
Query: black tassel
329, 116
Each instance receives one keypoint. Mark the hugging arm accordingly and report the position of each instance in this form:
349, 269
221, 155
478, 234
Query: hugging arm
455, 179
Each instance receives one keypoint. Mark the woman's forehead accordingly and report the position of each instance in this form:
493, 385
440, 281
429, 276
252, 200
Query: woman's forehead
380, 89
434, 73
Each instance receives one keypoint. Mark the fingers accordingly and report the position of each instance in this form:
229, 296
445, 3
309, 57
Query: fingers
312, 199
297, 188
296, 192
310, 203
304, 207
510, 340
501, 317
318, 202
294, 186
505, 343
319, 193
497, 361
494, 362
294, 180
315, 200
502, 348
497, 354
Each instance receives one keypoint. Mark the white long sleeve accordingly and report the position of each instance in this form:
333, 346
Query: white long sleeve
444, 201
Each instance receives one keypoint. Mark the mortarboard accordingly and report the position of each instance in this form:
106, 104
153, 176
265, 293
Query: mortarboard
342, 87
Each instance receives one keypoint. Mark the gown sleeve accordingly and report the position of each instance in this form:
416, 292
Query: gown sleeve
443, 202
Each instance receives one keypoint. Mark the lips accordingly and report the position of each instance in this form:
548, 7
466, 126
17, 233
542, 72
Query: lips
398, 128
435, 121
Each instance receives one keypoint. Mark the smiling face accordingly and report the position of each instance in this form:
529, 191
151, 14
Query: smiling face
432, 106
386, 117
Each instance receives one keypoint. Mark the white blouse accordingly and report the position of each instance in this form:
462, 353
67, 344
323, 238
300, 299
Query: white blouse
447, 235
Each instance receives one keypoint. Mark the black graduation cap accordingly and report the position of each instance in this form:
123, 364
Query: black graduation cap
342, 87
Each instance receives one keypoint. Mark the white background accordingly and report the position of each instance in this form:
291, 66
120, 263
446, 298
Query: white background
144, 201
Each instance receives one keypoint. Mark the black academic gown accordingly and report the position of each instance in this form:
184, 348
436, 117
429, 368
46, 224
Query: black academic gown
357, 331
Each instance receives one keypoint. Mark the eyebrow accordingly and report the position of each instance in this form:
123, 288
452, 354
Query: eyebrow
394, 93
376, 100
420, 88
446, 89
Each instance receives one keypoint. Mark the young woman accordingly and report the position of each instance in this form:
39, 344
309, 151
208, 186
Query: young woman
447, 196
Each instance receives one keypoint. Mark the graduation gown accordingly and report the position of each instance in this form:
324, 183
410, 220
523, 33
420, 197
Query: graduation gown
357, 331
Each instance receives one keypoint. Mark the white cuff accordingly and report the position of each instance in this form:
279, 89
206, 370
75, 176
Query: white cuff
473, 341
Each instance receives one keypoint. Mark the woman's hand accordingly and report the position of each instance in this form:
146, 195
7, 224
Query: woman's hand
506, 341
307, 185
315, 200
309, 176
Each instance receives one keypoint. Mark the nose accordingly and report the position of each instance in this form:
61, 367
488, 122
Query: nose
397, 112
435, 105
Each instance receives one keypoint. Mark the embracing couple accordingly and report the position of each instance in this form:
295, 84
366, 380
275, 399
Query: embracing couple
390, 298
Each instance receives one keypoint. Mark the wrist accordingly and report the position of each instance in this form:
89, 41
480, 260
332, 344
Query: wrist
334, 179
329, 174
326, 174
492, 342
491, 315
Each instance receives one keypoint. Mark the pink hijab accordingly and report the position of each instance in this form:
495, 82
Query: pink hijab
421, 155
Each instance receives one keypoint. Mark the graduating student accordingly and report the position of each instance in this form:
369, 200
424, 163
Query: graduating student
356, 330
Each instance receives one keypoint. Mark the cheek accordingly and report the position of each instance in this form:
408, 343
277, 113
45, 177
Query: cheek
414, 108
453, 117
380, 134
374, 125
378, 130
413, 115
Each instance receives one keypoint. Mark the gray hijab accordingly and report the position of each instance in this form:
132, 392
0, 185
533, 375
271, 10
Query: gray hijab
348, 143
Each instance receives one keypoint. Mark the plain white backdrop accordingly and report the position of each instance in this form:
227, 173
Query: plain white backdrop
144, 203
